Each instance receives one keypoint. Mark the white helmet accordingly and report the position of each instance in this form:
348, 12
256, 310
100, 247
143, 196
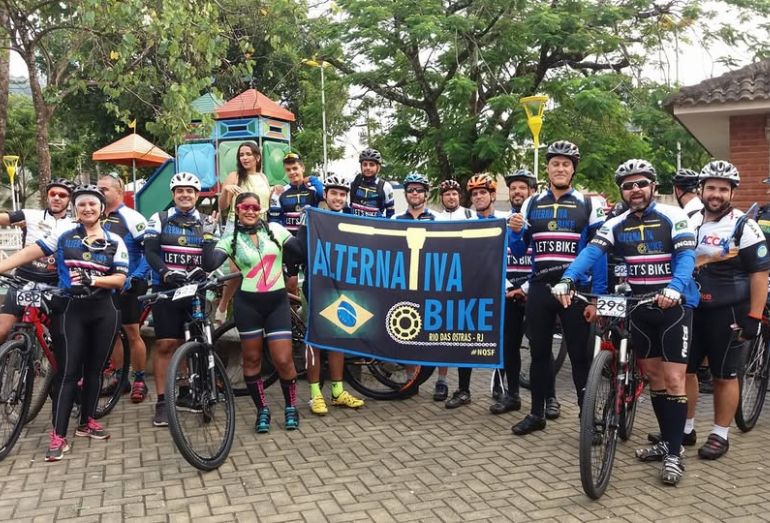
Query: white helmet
335, 181
185, 179
722, 170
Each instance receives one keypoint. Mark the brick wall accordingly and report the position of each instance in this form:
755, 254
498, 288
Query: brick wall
750, 153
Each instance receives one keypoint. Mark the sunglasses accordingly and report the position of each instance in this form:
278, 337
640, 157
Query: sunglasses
94, 245
58, 194
638, 184
292, 156
248, 207
413, 190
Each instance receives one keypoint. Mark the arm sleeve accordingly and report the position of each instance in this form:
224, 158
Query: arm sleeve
389, 203
753, 248
120, 260
293, 251
142, 269
318, 186
599, 275
16, 216
585, 262
518, 242
683, 264
213, 256
152, 253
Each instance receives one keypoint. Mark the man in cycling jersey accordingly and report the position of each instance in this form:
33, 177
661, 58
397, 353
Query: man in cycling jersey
732, 267
370, 195
556, 223
286, 206
450, 199
657, 243
521, 185
38, 225
482, 189
336, 190
416, 187
130, 226
173, 248
686, 184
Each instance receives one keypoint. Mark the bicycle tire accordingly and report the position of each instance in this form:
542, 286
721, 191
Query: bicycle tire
15, 392
600, 393
44, 375
752, 382
366, 375
194, 358
629, 406
108, 402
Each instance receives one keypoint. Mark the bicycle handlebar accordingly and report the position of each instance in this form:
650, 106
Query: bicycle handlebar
209, 283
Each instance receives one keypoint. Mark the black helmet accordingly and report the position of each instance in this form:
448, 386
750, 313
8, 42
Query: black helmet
686, 179
371, 155
63, 183
89, 189
522, 175
635, 166
564, 148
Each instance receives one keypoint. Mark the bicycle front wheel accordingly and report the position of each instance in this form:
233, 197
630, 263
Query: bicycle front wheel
633, 389
43, 374
15, 392
752, 380
598, 426
200, 406
114, 380
384, 380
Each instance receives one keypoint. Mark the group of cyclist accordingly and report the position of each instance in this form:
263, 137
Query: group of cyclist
705, 261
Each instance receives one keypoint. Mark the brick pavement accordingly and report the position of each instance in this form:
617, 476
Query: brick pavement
399, 461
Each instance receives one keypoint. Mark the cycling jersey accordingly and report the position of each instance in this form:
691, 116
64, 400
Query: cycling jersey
558, 230
461, 213
262, 264
40, 224
692, 207
728, 250
657, 247
130, 226
763, 220
286, 209
371, 196
72, 256
173, 241
426, 214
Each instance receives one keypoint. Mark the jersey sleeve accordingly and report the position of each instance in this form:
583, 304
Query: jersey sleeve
280, 233
153, 227
136, 225
597, 216
318, 185
50, 243
16, 216
605, 236
753, 248
120, 260
389, 202
682, 231
225, 244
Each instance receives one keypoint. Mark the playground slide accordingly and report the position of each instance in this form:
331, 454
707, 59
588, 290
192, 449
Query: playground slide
154, 195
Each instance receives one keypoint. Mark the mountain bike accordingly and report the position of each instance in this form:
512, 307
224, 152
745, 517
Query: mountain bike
205, 433
614, 385
753, 378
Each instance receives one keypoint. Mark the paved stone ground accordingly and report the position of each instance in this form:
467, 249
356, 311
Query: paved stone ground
403, 461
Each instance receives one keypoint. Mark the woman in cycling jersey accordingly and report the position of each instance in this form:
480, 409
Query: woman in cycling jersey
248, 177
92, 264
261, 304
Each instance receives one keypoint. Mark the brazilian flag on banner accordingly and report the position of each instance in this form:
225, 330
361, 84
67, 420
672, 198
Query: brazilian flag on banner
429, 293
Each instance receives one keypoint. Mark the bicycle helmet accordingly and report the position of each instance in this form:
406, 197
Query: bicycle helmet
481, 181
635, 166
564, 148
686, 179
88, 190
335, 181
372, 155
63, 183
720, 169
185, 179
418, 179
449, 185
522, 175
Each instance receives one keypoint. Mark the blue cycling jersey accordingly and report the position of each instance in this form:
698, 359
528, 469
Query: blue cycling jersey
130, 226
288, 209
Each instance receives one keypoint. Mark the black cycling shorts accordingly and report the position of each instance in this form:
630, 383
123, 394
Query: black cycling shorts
259, 314
169, 317
128, 302
714, 337
10, 306
662, 333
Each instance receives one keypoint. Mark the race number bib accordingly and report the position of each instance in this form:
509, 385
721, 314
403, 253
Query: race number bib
185, 292
29, 298
613, 306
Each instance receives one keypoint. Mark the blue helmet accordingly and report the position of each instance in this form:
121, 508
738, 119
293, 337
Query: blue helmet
416, 178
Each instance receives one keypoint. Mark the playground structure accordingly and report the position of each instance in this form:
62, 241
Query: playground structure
250, 116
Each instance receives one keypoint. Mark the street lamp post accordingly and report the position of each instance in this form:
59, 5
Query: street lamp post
321, 65
534, 106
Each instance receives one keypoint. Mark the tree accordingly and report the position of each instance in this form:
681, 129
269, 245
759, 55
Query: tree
153, 51
451, 71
